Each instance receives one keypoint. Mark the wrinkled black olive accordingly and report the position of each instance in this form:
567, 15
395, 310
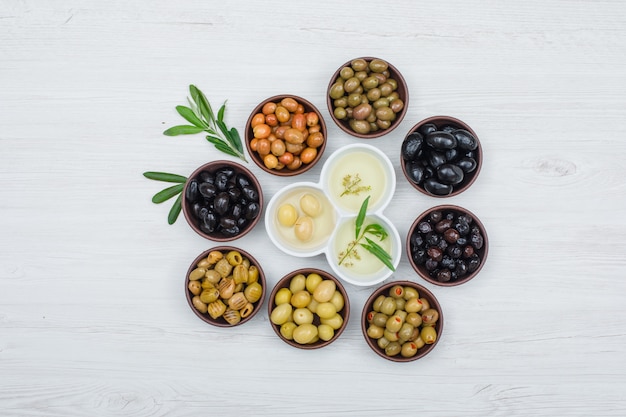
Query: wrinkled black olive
227, 222
222, 203
419, 256
207, 190
448, 262
454, 251
435, 187
461, 241
465, 218
427, 128
250, 193
411, 145
436, 216
465, 139
252, 210
242, 181
462, 227
467, 164
443, 245
477, 240
444, 275
416, 240
433, 239
443, 225
473, 263
431, 264
461, 268
441, 140
424, 227
436, 158
450, 174
415, 172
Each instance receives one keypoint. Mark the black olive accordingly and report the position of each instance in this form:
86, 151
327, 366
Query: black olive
444, 275
454, 251
435, 187
250, 193
252, 210
425, 227
237, 211
202, 212
443, 225
462, 227
465, 218
448, 262
465, 139
416, 241
428, 172
206, 176
207, 190
427, 128
436, 158
419, 257
195, 209
242, 222
433, 239
436, 216
473, 263
227, 222
467, 164
209, 222
234, 193
441, 140
415, 172
468, 251
452, 154
450, 216
477, 240
461, 268
448, 128
221, 180
450, 174
242, 181
411, 145
443, 245
461, 241
222, 203
191, 194
431, 264
451, 235
233, 231
227, 171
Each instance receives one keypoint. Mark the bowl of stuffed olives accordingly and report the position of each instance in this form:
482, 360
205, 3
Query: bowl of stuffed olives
285, 135
222, 201
402, 321
447, 245
225, 286
367, 97
308, 308
441, 156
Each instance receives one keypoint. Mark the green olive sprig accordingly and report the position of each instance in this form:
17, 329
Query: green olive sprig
169, 192
374, 248
202, 119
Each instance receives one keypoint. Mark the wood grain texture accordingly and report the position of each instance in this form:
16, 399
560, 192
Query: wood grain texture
93, 319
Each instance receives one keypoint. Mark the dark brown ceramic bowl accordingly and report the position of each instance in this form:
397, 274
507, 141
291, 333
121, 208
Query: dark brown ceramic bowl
221, 321
311, 147
385, 290
417, 260
401, 90
247, 202
344, 312
442, 122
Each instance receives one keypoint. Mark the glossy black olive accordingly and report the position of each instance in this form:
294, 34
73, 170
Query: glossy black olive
234, 193
461, 268
465, 139
427, 128
237, 211
441, 140
452, 155
221, 180
435, 187
419, 256
450, 174
222, 203
207, 190
436, 158
252, 210
467, 164
228, 222
411, 146
448, 128
191, 194
242, 181
241, 222
250, 193
415, 172
206, 176
209, 222
233, 231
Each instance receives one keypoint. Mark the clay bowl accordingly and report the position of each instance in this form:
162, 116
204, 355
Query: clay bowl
452, 166
233, 183
264, 121
250, 291
416, 348
338, 321
462, 259
340, 77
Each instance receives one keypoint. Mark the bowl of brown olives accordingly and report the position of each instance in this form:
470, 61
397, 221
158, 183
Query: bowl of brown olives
309, 308
222, 201
285, 135
225, 286
367, 97
402, 321
441, 156
447, 245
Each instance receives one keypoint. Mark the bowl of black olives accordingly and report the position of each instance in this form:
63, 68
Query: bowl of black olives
367, 97
225, 286
222, 201
402, 321
441, 156
447, 245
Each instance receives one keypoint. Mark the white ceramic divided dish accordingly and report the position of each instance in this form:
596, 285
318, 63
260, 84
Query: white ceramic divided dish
376, 172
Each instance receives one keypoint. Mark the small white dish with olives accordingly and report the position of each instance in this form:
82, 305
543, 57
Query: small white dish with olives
307, 219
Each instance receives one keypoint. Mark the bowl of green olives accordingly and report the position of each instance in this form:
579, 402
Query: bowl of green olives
285, 135
309, 308
402, 321
447, 245
222, 201
367, 97
441, 156
225, 286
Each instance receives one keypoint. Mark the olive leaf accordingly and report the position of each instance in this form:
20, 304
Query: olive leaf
169, 192
373, 229
200, 115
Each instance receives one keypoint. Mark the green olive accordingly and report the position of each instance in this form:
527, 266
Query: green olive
305, 333
425, 304
286, 330
380, 77
381, 102
338, 300
302, 316
410, 292
312, 281
335, 321
301, 299
430, 316
354, 100
378, 302
388, 306
194, 287
326, 310
413, 305
352, 84
359, 64
373, 94
369, 83
382, 342
406, 331
371, 119
196, 274
361, 75
374, 331
362, 111
325, 332
394, 323
281, 314
373, 127
428, 335
383, 124
396, 105
359, 90
198, 304
324, 291
393, 82
400, 304
378, 65
409, 349
397, 291
360, 126
380, 319
210, 295
341, 102
340, 113
385, 89
336, 91
385, 113
414, 319
346, 72
393, 348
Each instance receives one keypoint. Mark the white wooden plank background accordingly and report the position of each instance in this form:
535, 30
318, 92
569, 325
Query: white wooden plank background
93, 319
